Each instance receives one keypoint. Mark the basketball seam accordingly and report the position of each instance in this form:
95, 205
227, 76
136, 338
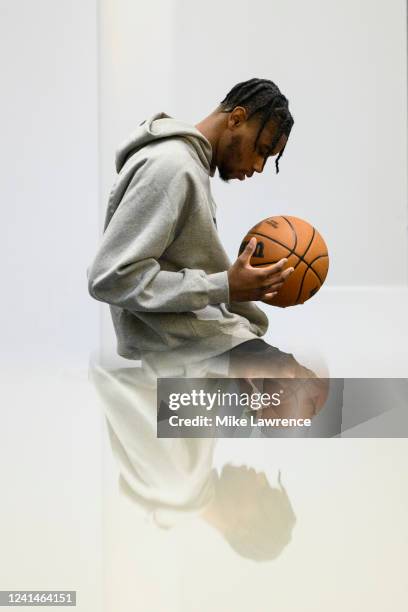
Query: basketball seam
314, 272
293, 231
308, 266
267, 263
291, 251
309, 245
285, 246
307, 248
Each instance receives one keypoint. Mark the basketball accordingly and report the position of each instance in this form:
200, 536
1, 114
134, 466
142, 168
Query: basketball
304, 248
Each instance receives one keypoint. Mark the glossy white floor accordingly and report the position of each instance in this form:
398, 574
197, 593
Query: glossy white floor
65, 524
348, 549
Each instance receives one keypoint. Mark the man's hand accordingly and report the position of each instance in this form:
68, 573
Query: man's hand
247, 283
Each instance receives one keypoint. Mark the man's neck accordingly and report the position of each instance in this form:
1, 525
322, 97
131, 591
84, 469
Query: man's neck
211, 127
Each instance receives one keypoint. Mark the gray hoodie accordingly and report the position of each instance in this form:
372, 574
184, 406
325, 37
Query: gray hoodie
161, 265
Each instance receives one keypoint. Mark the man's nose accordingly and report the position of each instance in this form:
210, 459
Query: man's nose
259, 165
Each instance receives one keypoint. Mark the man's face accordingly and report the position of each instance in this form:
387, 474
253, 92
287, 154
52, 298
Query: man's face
237, 156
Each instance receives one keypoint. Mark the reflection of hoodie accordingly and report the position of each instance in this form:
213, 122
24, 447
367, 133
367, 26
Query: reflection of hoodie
161, 265
170, 479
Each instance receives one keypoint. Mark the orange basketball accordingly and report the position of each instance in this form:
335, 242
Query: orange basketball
305, 250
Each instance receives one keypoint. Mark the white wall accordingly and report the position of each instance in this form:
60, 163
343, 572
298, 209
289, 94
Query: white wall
50, 523
343, 67
49, 111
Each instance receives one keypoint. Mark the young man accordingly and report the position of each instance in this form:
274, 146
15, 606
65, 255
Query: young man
161, 265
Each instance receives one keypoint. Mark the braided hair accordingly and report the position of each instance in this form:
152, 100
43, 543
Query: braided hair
261, 97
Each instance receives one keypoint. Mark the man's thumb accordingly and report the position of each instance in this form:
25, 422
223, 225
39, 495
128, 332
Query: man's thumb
249, 249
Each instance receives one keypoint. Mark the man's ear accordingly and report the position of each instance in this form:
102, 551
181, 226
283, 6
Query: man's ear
237, 117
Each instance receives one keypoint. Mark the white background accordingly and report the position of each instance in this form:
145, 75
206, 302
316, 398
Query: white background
49, 163
343, 67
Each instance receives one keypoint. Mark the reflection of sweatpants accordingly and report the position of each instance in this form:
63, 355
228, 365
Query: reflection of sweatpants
258, 349
256, 345
258, 361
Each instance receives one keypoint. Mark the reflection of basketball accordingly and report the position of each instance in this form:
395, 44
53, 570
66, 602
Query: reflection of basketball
305, 250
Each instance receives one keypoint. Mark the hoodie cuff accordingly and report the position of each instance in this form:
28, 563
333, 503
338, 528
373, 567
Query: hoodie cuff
218, 290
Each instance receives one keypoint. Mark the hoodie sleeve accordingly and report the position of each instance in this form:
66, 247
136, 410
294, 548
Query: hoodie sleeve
126, 271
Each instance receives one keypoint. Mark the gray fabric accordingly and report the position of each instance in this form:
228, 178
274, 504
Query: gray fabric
161, 265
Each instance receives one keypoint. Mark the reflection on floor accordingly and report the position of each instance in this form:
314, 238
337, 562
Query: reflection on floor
339, 537
350, 505
51, 473
336, 513
67, 525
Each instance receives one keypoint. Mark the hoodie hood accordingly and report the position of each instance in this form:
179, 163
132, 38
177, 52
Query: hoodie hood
160, 126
